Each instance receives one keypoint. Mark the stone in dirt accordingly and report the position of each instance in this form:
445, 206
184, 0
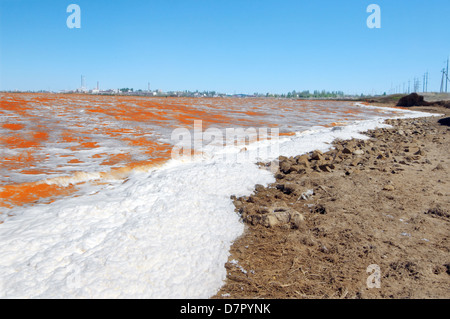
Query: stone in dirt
325, 168
277, 216
438, 211
297, 169
288, 188
302, 161
347, 150
420, 152
306, 195
297, 219
285, 167
439, 167
317, 156
319, 209
259, 187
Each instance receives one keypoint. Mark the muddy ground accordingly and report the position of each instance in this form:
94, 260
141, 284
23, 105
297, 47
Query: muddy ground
383, 201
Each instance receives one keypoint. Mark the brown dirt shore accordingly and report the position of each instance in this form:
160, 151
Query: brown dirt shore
383, 201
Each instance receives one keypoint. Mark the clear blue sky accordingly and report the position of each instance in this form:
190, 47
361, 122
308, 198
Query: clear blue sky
228, 46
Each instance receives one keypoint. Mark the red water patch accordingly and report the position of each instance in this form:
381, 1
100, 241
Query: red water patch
90, 145
16, 141
40, 136
286, 134
26, 193
13, 127
74, 161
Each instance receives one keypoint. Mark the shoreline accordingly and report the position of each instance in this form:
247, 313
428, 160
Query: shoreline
328, 216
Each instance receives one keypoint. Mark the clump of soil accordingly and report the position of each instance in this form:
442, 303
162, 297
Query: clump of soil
329, 216
438, 212
445, 104
445, 121
413, 99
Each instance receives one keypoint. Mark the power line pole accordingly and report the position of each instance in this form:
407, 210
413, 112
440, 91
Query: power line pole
416, 84
446, 79
83, 83
424, 82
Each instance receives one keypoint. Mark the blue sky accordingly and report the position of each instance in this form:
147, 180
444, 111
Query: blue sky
243, 46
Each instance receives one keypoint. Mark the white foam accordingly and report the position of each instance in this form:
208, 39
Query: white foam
160, 234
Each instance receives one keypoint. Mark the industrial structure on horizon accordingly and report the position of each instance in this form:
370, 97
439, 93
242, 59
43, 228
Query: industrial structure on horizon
445, 79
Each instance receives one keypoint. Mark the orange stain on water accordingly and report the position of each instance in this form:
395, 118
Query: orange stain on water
16, 141
26, 193
122, 133
89, 144
116, 159
14, 127
286, 134
74, 161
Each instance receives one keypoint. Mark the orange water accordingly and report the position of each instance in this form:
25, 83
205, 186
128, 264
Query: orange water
46, 137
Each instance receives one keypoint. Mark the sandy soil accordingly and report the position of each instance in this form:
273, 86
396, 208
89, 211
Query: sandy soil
328, 217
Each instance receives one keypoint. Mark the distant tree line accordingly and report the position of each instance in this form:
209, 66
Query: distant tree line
307, 94
126, 90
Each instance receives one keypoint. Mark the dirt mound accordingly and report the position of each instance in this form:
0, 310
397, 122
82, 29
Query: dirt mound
413, 99
443, 103
445, 121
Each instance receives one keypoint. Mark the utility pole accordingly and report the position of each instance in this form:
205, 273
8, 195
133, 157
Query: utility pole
416, 85
83, 83
446, 78
424, 82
